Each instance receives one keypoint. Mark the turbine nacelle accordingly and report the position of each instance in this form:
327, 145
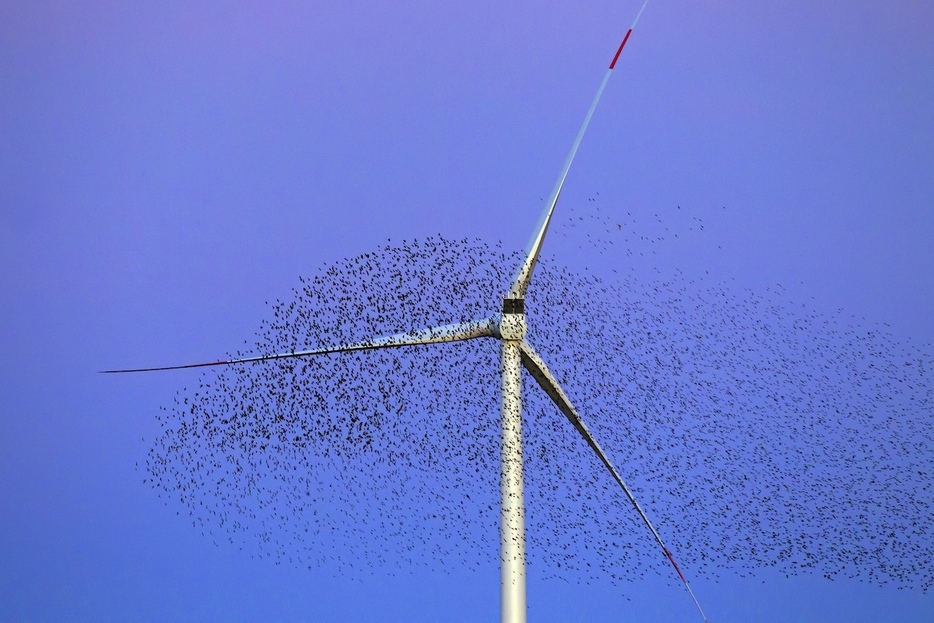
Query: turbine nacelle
510, 325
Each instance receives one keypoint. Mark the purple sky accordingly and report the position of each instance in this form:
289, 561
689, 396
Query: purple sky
164, 171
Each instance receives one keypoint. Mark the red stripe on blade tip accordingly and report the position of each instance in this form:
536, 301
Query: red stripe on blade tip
620, 50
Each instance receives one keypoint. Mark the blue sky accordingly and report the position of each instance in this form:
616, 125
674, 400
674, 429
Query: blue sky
165, 171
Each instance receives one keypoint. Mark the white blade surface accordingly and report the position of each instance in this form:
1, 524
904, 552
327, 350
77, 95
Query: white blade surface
520, 282
434, 335
539, 371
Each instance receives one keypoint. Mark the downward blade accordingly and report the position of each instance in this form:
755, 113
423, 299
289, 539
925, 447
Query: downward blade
523, 276
433, 335
540, 372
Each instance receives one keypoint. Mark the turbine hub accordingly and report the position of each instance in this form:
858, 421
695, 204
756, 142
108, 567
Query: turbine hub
511, 325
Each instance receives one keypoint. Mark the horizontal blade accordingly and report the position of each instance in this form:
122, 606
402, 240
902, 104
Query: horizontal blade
539, 371
523, 276
434, 335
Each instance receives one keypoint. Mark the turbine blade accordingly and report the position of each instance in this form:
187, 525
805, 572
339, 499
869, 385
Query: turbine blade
433, 335
523, 277
540, 372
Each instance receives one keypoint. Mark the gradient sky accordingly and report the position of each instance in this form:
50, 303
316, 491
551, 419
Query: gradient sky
166, 168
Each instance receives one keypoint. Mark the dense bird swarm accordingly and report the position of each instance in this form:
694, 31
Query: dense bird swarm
754, 433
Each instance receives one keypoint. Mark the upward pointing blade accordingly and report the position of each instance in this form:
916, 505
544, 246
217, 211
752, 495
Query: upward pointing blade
539, 371
434, 335
520, 282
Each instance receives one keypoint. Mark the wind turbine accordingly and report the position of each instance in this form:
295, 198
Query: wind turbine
509, 326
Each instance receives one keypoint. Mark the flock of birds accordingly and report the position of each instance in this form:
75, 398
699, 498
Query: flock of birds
596, 231
754, 433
